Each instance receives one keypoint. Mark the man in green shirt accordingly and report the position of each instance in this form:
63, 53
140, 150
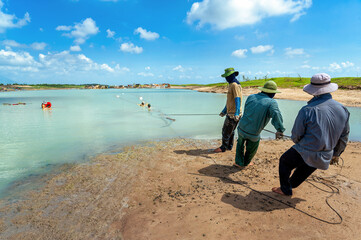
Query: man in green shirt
258, 110
232, 110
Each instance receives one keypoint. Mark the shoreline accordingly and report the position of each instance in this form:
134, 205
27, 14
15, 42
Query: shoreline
178, 189
349, 98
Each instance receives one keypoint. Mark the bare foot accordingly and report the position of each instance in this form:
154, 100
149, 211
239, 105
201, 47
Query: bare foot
239, 166
278, 190
250, 164
217, 150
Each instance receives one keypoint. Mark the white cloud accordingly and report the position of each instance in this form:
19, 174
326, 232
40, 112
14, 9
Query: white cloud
122, 69
75, 48
14, 44
11, 21
63, 28
224, 14
110, 34
55, 67
178, 68
146, 74
240, 53
147, 35
334, 67
38, 45
147, 68
290, 52
80, 31
262, 49
131, 48
239, 37
106, 67
10, 58
347, 64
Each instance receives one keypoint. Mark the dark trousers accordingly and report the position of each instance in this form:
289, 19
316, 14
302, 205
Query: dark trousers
290, 160
228, 133
242, 158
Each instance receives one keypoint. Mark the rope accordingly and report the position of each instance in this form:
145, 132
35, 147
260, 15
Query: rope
266, 130
193, 114
285, 203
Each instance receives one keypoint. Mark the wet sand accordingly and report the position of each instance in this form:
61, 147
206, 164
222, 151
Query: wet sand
351, 98
180, 189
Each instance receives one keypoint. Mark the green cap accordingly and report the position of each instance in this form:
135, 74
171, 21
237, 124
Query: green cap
228, 72
269, 87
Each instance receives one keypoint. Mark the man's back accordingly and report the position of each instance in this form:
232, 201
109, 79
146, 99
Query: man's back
258, 110
318, 129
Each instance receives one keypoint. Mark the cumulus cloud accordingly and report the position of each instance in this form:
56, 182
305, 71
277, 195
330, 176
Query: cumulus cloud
334, 67
106, 67
347, 64
262, 49
339, 67
56, 65
38, 45
147, 35
147, 68
11, 21
131, 48
80, 31
291, 52
147, 74
14, 44
63, 28
223, 14
75, 48
240, 53
110, 34
123, 69
11, 58
178, 68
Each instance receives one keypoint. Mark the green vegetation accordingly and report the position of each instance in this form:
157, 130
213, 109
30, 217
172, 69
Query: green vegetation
46, 86
292, 82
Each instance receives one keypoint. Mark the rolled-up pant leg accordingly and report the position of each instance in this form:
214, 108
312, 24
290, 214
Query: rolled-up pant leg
243, 159
228, 133
290, 160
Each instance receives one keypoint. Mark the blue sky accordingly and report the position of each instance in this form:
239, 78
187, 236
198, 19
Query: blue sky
152, 41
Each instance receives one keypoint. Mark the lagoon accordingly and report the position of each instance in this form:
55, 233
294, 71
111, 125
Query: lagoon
84, 123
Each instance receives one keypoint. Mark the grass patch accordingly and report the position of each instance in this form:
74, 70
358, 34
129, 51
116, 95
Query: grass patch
60, 86
291, 82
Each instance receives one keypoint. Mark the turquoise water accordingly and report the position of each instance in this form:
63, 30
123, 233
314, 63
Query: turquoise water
83, 123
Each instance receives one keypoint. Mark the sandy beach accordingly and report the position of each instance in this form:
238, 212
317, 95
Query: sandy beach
351, 98
180, 189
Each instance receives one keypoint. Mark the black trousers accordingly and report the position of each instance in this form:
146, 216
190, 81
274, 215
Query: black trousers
290, 160
228, 129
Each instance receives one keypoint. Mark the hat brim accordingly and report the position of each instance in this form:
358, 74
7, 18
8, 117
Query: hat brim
230, 73
268, 90
316, 90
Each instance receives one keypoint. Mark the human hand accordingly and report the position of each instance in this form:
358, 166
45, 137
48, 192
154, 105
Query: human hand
222, 114
279, 135
236, 117
334, 160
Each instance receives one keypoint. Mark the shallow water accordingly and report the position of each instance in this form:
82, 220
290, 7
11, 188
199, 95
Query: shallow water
83, 123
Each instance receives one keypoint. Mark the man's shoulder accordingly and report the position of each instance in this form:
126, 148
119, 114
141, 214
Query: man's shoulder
234, 84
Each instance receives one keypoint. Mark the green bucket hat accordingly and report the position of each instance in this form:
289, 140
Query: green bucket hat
269, 87
228, 72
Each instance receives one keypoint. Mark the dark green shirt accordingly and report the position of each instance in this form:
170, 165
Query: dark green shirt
258, 110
